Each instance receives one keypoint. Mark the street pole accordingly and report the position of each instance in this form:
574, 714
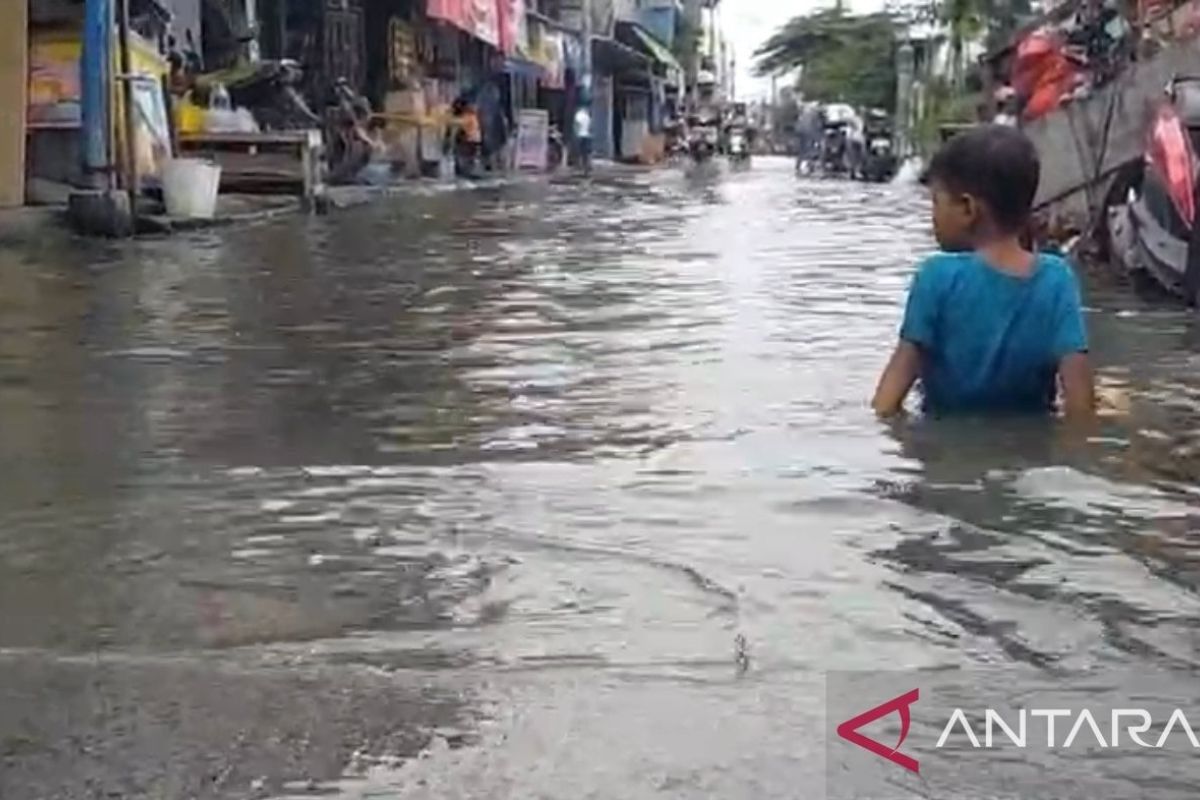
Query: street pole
128, 128
588, 100
95, 60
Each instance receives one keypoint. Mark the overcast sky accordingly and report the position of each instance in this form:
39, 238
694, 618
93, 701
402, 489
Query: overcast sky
749, 23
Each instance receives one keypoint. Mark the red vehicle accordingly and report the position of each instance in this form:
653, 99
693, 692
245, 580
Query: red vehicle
1151, 221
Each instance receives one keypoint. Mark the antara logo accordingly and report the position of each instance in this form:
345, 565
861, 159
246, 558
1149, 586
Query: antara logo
849, 730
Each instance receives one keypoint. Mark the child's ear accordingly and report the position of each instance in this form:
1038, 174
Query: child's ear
971, 207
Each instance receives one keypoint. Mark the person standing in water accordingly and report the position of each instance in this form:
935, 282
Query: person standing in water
989, 326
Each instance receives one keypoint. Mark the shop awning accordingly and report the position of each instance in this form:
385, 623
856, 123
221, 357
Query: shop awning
644, 41
515, 65
612, 57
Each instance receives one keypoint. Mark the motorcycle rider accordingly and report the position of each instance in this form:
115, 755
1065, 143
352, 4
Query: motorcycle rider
705, 118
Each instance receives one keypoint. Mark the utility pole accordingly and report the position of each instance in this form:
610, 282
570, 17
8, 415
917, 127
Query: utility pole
128, 125
586, 33
732, 74
95, 71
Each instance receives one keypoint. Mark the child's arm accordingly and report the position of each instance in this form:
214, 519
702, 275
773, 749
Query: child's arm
1078, 386
897, 379
1071, 345
916, 331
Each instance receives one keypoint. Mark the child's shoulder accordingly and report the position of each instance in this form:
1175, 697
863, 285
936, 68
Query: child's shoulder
943, 265
1057, 270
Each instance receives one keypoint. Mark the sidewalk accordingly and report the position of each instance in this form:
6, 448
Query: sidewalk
32, 223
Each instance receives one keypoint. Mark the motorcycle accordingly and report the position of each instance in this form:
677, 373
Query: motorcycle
1151, 221
835, 150
556, 149
879, 163
269, 89
349, 144
702, 143
739, 148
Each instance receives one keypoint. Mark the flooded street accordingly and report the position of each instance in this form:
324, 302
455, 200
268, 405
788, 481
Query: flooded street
543, 492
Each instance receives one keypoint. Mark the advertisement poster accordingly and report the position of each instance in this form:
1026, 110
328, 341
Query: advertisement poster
54, 79
533, 130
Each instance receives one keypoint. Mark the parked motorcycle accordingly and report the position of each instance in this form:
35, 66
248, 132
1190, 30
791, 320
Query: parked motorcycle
556, 149
347, 141
269, 89
1151, 225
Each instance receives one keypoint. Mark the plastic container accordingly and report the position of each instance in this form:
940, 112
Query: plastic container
218, 98
190, 187
189, 117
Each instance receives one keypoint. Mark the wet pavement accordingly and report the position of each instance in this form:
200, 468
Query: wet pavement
539, 492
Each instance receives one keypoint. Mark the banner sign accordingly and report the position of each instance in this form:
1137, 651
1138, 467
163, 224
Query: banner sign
533, 133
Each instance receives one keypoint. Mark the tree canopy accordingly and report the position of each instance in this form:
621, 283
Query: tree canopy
843, 57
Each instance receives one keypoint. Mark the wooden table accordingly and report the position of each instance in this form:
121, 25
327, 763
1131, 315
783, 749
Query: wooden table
274, 162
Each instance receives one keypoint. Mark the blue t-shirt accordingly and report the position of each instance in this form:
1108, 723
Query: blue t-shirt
991, 341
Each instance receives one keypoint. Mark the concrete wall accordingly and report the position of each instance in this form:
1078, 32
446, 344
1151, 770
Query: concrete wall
14, 80
1071, 140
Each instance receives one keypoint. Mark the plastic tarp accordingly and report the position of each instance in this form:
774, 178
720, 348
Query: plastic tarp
480, 18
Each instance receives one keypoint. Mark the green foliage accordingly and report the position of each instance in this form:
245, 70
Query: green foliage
844, 57
944, 105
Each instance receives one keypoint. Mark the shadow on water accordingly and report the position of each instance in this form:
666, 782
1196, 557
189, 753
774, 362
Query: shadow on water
564, 486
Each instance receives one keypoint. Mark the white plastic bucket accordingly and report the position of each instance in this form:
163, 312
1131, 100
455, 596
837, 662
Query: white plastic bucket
190, 187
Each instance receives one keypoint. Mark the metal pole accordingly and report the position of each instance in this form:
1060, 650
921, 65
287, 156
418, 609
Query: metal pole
128, 130
94, 71
588, 81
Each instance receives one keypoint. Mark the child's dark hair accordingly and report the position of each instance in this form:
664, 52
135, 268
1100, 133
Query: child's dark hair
995, 163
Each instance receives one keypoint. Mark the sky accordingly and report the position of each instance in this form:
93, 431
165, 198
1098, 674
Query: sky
749, 23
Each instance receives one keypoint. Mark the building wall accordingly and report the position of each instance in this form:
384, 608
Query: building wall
660, 21
14, 78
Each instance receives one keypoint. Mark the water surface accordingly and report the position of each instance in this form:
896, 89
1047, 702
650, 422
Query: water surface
572, 490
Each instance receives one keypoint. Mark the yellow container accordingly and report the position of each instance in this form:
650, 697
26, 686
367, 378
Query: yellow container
189, 117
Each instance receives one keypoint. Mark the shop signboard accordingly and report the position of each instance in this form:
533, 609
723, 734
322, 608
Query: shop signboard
533, 131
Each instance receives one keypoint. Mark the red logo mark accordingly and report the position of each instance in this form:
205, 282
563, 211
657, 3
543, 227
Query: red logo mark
848, 730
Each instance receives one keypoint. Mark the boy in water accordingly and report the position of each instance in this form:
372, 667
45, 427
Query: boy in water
989, 327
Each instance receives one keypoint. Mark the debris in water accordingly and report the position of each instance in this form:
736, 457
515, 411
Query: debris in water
741, 654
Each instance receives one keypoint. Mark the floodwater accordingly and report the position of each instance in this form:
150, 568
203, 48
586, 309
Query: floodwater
563, 491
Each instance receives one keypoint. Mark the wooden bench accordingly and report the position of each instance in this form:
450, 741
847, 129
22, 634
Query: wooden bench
263, 163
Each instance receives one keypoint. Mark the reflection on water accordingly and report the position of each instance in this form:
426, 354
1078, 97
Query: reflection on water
503, 478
